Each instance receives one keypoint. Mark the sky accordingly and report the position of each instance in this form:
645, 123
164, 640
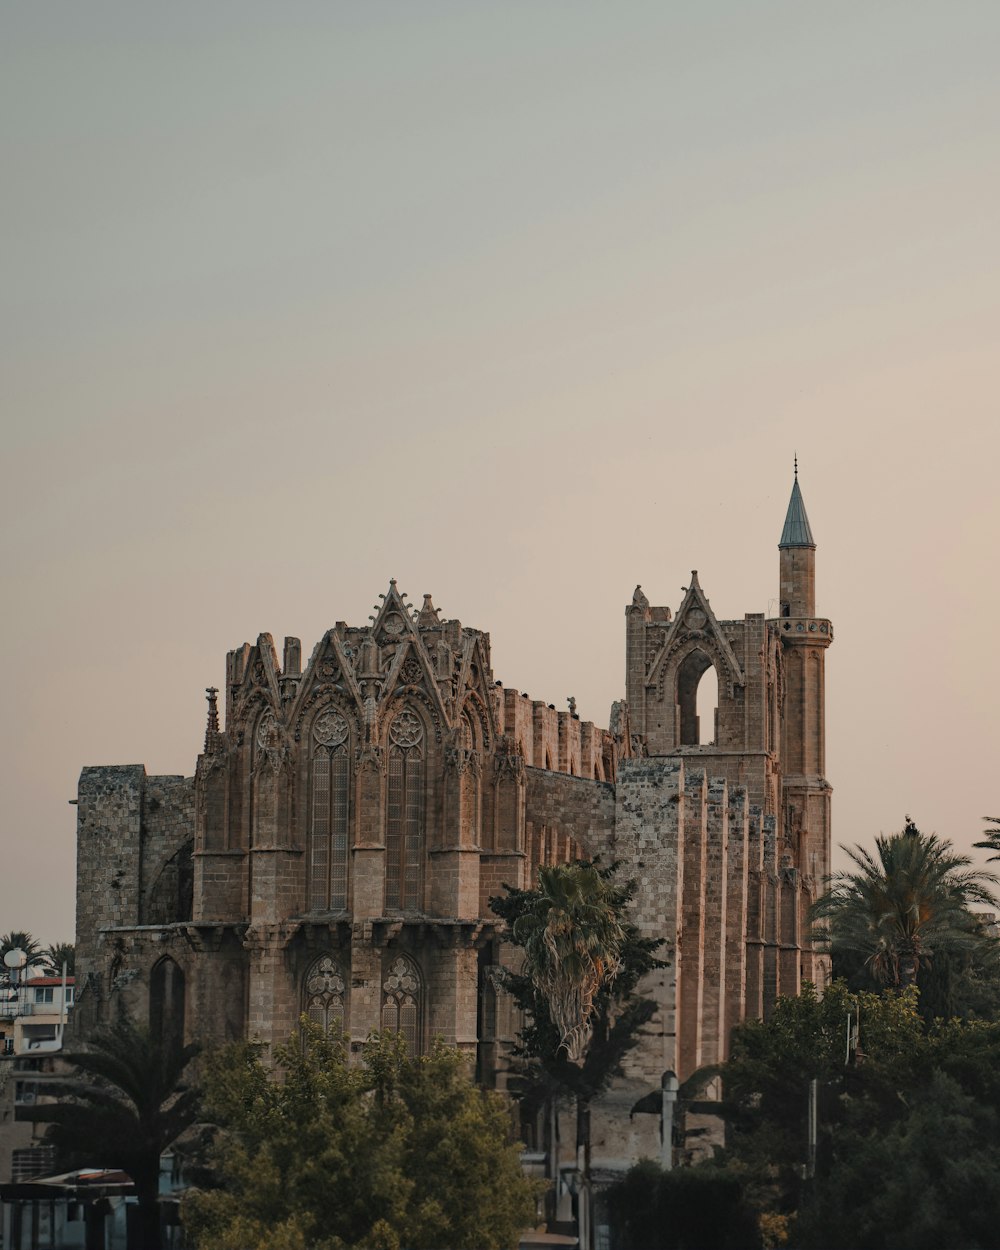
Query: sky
520, 304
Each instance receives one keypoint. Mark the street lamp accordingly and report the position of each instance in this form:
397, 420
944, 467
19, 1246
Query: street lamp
669, 1087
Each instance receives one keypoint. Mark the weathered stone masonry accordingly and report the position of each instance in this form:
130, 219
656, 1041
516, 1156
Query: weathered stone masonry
335, 850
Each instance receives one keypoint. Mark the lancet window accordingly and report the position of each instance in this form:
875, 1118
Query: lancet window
323, 997
471, 789
329, 825
404, 825
402, 993
166, 1002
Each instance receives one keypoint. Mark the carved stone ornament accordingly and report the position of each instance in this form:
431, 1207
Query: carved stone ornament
325, 980
401, 983
331, 728
412, 672
696, 619
270, 742
328, 669
393, 624
509, 764
406, 730
267, 733
460, 760
496, 976
369, 759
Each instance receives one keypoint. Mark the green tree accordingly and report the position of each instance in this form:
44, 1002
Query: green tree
926, 1180
908, 902
572, 933
772, 1062
698, 1208
577, 917
877, 1107
992, 840
318, 1153
59, 953
126, 1104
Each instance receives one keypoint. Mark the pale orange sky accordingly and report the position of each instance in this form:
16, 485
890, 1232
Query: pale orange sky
521, 304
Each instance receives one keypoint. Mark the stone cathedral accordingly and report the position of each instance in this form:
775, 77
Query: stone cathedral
336, 848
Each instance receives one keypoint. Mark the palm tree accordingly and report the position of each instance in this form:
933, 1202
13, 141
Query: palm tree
580, 953
903, 904
572, 937
127, 1102
16, 940
57, 954
992, 840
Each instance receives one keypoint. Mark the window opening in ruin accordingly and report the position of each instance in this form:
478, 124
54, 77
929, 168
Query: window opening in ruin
708, 707
401, 1001
166, 1002
329, 838
697, 699
404, 833
486, 1016
171, 899
323, 995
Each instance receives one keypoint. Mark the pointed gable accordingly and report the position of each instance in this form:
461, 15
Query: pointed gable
394, 619
258, 684
696, 622
473, 686
329, 675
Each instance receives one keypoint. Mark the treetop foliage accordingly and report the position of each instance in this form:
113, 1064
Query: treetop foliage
318, 1153
904, 904
884, 1173
617, 1012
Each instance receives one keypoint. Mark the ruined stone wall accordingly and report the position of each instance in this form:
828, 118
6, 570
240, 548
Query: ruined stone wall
167, 837
109, 853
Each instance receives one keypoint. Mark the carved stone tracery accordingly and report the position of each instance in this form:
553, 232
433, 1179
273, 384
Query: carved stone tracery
331, 728
406, 729
324, 992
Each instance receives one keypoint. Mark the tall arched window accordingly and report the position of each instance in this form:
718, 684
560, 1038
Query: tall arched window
166, 1002
267, 755
404, 825
471, 799
696, 706
328, 834
323, 997
401, 1000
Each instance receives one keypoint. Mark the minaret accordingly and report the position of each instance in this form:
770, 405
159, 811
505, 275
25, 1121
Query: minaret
805, 790
798, 558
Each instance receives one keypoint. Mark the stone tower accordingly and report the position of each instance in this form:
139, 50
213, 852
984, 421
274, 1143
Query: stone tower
805, 638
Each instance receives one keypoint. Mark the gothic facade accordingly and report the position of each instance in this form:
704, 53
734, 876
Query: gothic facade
336, 848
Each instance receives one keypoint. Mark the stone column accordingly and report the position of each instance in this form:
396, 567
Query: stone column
714, 920
692, 949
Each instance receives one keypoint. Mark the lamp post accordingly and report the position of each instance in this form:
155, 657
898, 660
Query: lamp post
669, 1086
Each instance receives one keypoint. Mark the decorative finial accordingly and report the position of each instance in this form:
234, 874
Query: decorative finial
212, 734
796, 466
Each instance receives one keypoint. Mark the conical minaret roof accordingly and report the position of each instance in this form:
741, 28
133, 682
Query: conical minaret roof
796, 532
